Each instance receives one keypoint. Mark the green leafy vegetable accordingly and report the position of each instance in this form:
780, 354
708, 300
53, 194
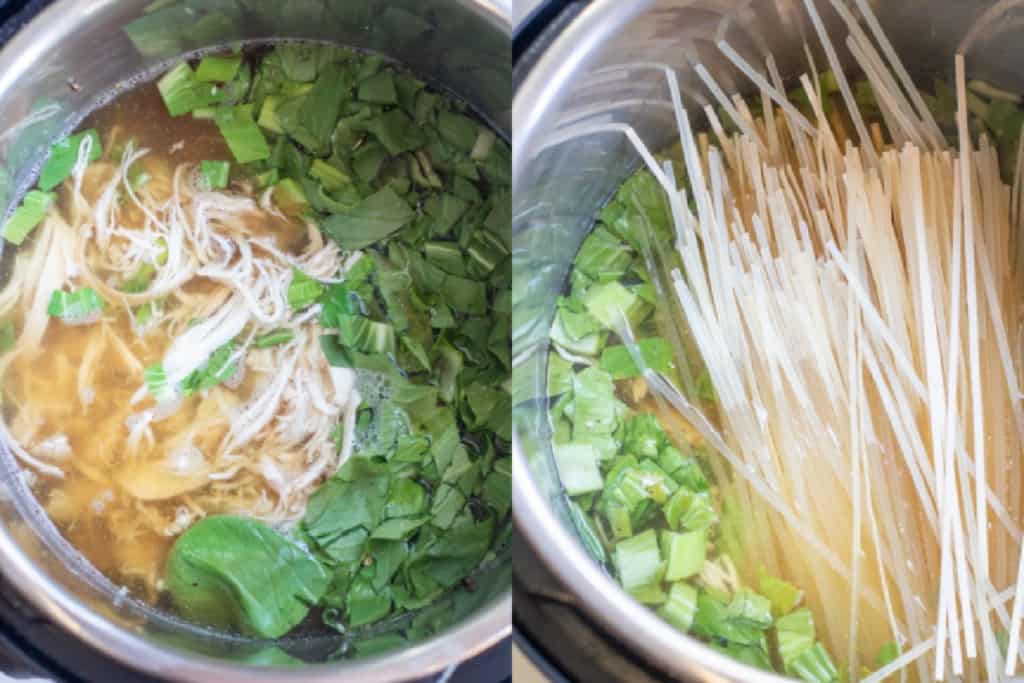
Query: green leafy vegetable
609, 303
317, 113
618, 361
183, 92
638, 560
242, 134
815, 666
239, 573
218, 68
680, 607
220, 367
457, 130
783, 595
64, 156
159, 386
273, 338
28, 216
331, 177
374, 219
632, 489
795, 635
214, 174
387, 167
76, 306
685, 553
303, 291
299, 61
577, 468
596, 408
379, 88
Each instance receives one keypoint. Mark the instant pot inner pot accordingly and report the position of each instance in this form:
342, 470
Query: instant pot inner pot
607, 67
64, 64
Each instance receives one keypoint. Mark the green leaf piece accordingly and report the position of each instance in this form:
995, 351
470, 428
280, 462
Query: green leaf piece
239, 573
374, 219
28, 216
64, 155
243, 136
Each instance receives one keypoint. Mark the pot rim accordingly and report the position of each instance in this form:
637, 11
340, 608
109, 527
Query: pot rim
541, 93
475, 635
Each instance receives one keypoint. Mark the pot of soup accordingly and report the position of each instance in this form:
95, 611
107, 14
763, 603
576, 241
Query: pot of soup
760, 252
256, 312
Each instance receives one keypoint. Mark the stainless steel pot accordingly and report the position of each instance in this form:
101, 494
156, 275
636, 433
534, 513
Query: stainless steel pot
603, 68
51, 74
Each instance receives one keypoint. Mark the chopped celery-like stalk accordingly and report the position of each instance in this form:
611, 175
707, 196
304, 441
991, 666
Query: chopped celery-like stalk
221, 366
795, 634
680, 607
303, 290
619, 520
638, 560
447, 256
8, 335
486, 251
243, 136
267, 179
273, 338
783, 595
27, 216
366, 335
290, 196
64, 156
268, 115
815, 666
156, 381
752, 655
330, 177
689, 510
609, 302
750, 608
214, 174
218, 69
205, 113
684, 553
586, 345
578, 470
559, 375
651, 594
986, 89
75, 306
596, 408
182, 93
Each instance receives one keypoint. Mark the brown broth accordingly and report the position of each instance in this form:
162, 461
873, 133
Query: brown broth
125, 539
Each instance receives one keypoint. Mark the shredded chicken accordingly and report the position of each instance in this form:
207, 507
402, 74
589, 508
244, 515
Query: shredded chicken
258, 444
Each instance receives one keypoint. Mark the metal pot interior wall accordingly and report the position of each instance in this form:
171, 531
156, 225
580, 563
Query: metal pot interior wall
605, 68
51, 74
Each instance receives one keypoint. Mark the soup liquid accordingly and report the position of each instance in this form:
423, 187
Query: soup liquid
80, 386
